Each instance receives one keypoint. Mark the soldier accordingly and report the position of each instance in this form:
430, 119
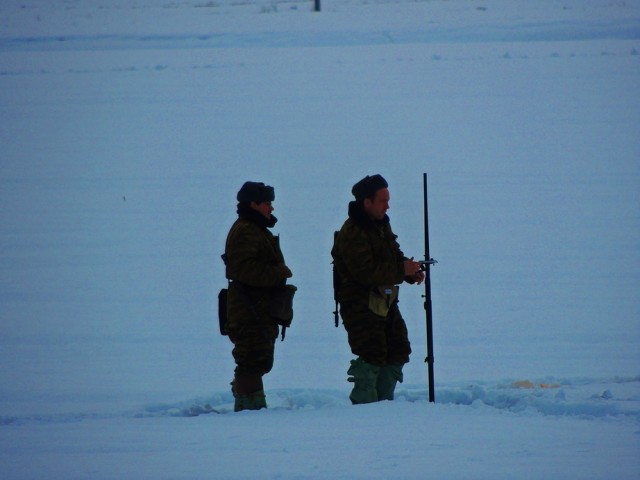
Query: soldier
369, 265
256, 270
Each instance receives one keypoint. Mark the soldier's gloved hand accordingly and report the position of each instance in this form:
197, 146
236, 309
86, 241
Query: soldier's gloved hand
418, 278
411, 267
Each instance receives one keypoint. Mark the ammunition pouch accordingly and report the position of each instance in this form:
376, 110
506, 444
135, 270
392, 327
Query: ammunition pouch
281, 305
222, 310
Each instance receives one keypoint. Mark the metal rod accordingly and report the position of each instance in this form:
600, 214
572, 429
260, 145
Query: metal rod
427, 294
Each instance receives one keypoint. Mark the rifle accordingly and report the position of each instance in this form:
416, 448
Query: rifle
336, 285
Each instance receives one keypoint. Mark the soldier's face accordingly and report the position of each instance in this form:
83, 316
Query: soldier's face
265, 208
377, 208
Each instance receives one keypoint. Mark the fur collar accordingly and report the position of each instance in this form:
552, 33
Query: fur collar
251, 215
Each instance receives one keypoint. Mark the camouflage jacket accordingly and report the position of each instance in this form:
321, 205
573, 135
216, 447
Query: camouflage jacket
252, 259
366, 255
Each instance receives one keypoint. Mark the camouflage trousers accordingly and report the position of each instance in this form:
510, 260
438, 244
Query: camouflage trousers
253, 347
377, 340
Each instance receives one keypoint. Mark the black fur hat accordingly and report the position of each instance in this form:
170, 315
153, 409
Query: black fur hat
368, 186
256, 192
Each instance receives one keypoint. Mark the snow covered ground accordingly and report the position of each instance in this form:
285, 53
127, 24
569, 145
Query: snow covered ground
126, 128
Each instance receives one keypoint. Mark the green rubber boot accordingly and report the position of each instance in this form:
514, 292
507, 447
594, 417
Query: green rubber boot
388, 377
252, 401
248, 392
364, 377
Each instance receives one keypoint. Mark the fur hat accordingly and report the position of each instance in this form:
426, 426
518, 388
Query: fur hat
368, 186
256, 192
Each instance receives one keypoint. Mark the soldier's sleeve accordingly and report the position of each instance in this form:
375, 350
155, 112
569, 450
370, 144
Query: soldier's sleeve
358, 257
396, 246
245, 262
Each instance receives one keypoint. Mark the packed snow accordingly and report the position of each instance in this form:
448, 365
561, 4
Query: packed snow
126, 129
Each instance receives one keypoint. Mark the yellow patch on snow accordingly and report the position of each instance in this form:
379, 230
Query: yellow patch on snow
528, 384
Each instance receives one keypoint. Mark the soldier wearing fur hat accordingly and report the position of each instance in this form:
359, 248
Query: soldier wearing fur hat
369, 266
255, 268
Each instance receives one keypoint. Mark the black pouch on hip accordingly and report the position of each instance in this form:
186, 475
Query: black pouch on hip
222, 310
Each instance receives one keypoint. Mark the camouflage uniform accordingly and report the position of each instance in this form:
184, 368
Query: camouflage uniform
369, 265
367, 256
254, 265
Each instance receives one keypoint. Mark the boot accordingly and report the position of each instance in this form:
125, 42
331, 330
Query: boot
252, 401
248, 392
387, 379
364, 377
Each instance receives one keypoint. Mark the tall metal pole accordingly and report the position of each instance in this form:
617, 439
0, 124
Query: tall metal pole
427, 293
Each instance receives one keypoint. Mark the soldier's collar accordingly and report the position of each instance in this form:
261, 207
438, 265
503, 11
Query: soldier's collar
256, 217
358, 215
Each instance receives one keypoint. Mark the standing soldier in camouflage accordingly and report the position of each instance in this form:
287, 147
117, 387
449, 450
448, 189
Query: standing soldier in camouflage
369, 265
256, 269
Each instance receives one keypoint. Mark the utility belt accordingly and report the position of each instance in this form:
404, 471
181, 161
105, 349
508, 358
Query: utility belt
280, 304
